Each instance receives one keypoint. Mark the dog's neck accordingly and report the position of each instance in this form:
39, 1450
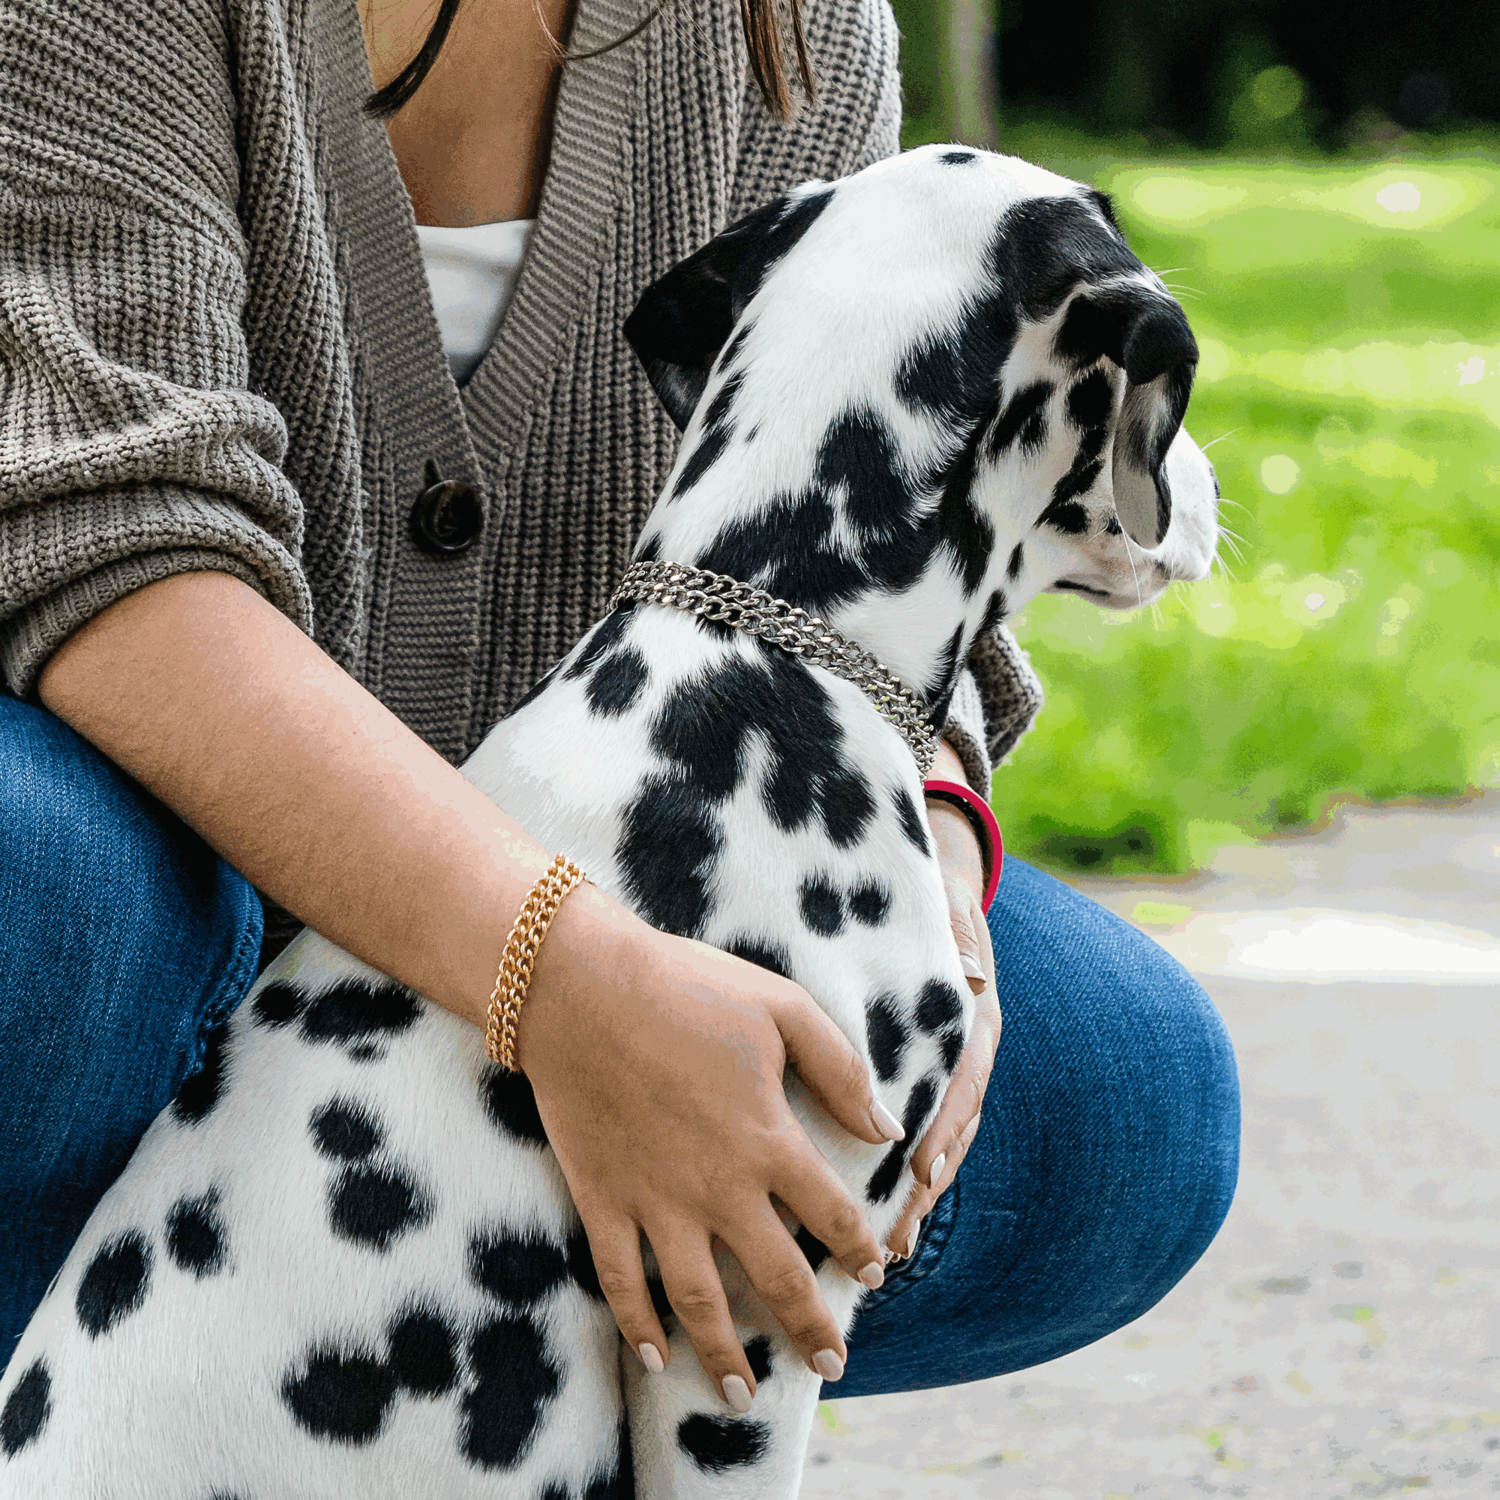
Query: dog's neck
912, 575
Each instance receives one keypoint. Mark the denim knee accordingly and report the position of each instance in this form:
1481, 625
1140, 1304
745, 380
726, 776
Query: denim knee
126, 939
1105, 1161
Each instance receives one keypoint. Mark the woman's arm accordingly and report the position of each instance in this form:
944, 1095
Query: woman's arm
656, 1061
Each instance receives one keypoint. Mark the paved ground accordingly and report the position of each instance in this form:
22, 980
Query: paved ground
1342, 1335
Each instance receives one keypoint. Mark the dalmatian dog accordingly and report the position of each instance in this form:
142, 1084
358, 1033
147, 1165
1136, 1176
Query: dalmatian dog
344, 1262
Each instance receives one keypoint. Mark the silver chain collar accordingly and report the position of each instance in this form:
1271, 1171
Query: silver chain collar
713, 596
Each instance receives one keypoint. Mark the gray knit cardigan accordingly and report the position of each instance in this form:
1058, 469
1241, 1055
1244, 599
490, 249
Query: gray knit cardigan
217, 349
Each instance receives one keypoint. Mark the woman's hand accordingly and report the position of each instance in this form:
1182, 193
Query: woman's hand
950, 1135
657, 1064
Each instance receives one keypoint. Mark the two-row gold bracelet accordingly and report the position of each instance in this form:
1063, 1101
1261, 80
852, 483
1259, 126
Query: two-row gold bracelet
516, 963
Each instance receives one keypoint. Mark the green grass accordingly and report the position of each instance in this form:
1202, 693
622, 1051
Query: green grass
1348, 314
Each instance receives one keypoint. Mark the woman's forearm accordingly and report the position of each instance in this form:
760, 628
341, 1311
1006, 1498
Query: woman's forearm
304, 781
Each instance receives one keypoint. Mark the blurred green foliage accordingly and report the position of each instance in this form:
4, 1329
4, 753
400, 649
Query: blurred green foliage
1348, 314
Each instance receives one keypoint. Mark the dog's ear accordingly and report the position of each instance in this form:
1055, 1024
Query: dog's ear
1146, 333
685, 317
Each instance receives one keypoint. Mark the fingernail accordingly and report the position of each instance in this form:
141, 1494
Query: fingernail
937, 1168
873, 1275
911, 1244
970, 966
828, 1364
886, 1123
737, 1393
651, 1358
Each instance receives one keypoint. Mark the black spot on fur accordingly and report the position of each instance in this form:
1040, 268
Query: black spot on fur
1091, 402
822, 906
372, 1205
758, 1353
791, 546
887, 1032
951, 1047
1112, 526
710, 449
510, 1103
340, 1396
718, 428
885, 1177
599, 640
613, 687
912, 824
945, 678
350, 1013
994, 612
521, 1268
581, 1265
345, 1130
26, 1409
938, 1006
115, 1283
718, 1444
423, 1357
701, 726
762, 951
516, 1378
667, 851
278, 1005
812, 1247
671, 838
1016, 563
195, 1234
847, 806
1023, 421
957, 158
870, 903
1063, 510
201, 1092
731, 351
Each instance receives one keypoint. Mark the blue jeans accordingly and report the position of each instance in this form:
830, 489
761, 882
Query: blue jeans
1104, 1166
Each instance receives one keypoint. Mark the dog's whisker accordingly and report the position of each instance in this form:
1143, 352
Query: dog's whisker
1210, 443
1224, 567
1234, 548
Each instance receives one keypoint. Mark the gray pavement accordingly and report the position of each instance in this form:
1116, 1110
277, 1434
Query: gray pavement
1341, 1337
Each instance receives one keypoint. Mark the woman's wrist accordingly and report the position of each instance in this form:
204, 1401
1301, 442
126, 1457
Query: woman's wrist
958, 846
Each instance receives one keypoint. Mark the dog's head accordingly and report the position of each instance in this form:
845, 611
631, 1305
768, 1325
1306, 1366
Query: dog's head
949, 357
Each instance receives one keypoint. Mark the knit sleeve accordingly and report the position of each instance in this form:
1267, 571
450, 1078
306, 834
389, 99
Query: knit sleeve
131, 446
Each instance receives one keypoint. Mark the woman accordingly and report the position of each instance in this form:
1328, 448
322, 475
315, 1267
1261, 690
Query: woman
260, 551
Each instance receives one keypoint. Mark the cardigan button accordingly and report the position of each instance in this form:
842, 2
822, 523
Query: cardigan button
446, 518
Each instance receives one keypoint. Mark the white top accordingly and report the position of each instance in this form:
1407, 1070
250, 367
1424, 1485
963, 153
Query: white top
472, 272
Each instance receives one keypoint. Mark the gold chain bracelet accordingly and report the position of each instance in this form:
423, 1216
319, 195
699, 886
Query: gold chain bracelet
537, 912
